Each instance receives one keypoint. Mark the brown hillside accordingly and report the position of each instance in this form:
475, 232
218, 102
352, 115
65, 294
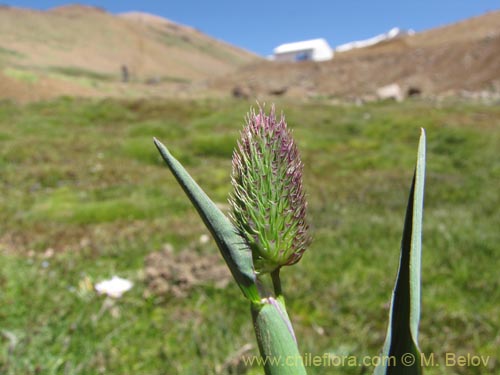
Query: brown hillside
88, 39
80, 50
462, 56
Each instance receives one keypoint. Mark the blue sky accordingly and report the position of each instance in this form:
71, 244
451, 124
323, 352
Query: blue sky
261, 25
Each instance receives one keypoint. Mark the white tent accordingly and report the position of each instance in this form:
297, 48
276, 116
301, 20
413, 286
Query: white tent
307, 50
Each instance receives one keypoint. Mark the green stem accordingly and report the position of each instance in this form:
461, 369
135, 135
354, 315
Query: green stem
275, 277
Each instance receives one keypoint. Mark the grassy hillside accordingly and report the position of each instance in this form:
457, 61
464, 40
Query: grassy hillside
87, 47
84, 196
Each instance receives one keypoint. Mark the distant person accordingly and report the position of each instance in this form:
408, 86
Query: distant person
125, 75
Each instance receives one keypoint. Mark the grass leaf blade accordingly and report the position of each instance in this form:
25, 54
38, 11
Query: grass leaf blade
401, 343
235, 251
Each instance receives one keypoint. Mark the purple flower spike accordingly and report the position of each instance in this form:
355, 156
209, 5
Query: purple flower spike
268, 202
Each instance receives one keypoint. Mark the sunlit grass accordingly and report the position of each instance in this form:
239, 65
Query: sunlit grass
84, 179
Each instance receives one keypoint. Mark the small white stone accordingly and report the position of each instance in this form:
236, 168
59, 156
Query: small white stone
204, 238
115, 287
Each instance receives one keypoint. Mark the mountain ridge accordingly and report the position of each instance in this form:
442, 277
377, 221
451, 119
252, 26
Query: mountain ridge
90, 38
81, 50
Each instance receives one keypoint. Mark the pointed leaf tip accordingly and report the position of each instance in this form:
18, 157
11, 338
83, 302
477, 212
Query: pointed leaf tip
158, 144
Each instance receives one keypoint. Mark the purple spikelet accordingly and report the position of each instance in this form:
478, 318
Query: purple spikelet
268, 202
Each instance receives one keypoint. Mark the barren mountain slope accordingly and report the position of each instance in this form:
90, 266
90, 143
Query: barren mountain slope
90, 39
462, 56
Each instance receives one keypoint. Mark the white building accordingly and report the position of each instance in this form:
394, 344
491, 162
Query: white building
307, 50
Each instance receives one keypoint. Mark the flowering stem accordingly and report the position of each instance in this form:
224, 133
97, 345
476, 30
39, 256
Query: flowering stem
268, 229
275, 277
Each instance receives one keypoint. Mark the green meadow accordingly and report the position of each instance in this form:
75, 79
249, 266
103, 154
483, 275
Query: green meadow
84, 196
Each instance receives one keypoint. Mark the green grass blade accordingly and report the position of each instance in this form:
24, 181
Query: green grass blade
401, 345
235, 251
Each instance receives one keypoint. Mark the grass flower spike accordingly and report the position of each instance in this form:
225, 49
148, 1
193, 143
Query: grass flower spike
268, 202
